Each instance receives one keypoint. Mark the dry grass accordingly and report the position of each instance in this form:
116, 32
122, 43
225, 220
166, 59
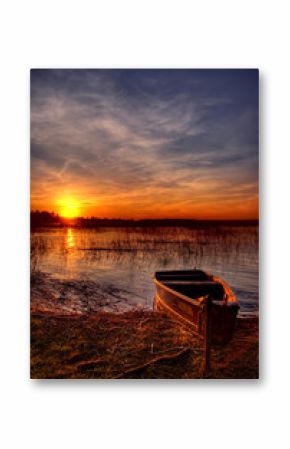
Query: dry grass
133, 345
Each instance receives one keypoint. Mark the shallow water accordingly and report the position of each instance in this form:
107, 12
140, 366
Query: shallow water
124, 259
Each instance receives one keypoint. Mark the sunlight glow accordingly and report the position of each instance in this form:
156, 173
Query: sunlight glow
69, 207
70, 239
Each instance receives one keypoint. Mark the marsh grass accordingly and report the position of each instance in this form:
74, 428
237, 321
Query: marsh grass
230, 239
127, 257
133, 345
191, 246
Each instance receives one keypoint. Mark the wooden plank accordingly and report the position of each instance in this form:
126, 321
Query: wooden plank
207, 337
181, 282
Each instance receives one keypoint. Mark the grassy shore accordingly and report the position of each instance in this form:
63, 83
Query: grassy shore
138, 344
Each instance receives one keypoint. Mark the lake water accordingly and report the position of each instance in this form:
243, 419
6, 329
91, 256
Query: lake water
122, 260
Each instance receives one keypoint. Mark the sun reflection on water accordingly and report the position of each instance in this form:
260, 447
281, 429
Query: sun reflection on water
70, 239
125, 258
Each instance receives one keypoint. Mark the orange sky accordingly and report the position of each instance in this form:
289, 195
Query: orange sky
145, 144
154, 203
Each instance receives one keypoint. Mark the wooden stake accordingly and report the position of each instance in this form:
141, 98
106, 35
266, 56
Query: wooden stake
207, 337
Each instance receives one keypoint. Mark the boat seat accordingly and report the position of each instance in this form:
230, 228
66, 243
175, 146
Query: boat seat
194, 289
190, 282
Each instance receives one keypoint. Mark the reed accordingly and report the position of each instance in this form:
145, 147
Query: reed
135, 344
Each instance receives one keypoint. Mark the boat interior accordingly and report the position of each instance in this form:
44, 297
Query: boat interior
193, 284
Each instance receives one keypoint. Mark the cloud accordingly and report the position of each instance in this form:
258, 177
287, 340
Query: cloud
136, 136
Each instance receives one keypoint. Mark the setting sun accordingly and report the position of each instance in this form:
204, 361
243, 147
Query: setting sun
69, 207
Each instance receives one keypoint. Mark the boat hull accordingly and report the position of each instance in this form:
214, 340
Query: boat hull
192, 311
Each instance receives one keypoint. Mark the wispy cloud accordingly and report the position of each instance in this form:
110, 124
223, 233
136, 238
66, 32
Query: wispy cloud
145, 143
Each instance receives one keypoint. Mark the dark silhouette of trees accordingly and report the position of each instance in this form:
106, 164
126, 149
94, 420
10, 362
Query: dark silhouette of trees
38, 219
42, 219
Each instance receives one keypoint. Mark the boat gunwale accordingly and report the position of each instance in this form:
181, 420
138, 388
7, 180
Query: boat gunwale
231, 300
176, 293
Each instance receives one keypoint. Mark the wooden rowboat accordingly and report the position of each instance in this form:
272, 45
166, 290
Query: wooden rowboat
185, 294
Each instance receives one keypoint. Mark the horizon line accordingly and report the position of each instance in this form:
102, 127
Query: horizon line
92, 217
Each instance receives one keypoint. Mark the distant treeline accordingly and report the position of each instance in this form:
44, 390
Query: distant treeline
48, 219
38, 218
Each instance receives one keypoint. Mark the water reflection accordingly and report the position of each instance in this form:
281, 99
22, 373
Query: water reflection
126, 258
70, 239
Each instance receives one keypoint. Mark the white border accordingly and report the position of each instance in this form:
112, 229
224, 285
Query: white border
144, 34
